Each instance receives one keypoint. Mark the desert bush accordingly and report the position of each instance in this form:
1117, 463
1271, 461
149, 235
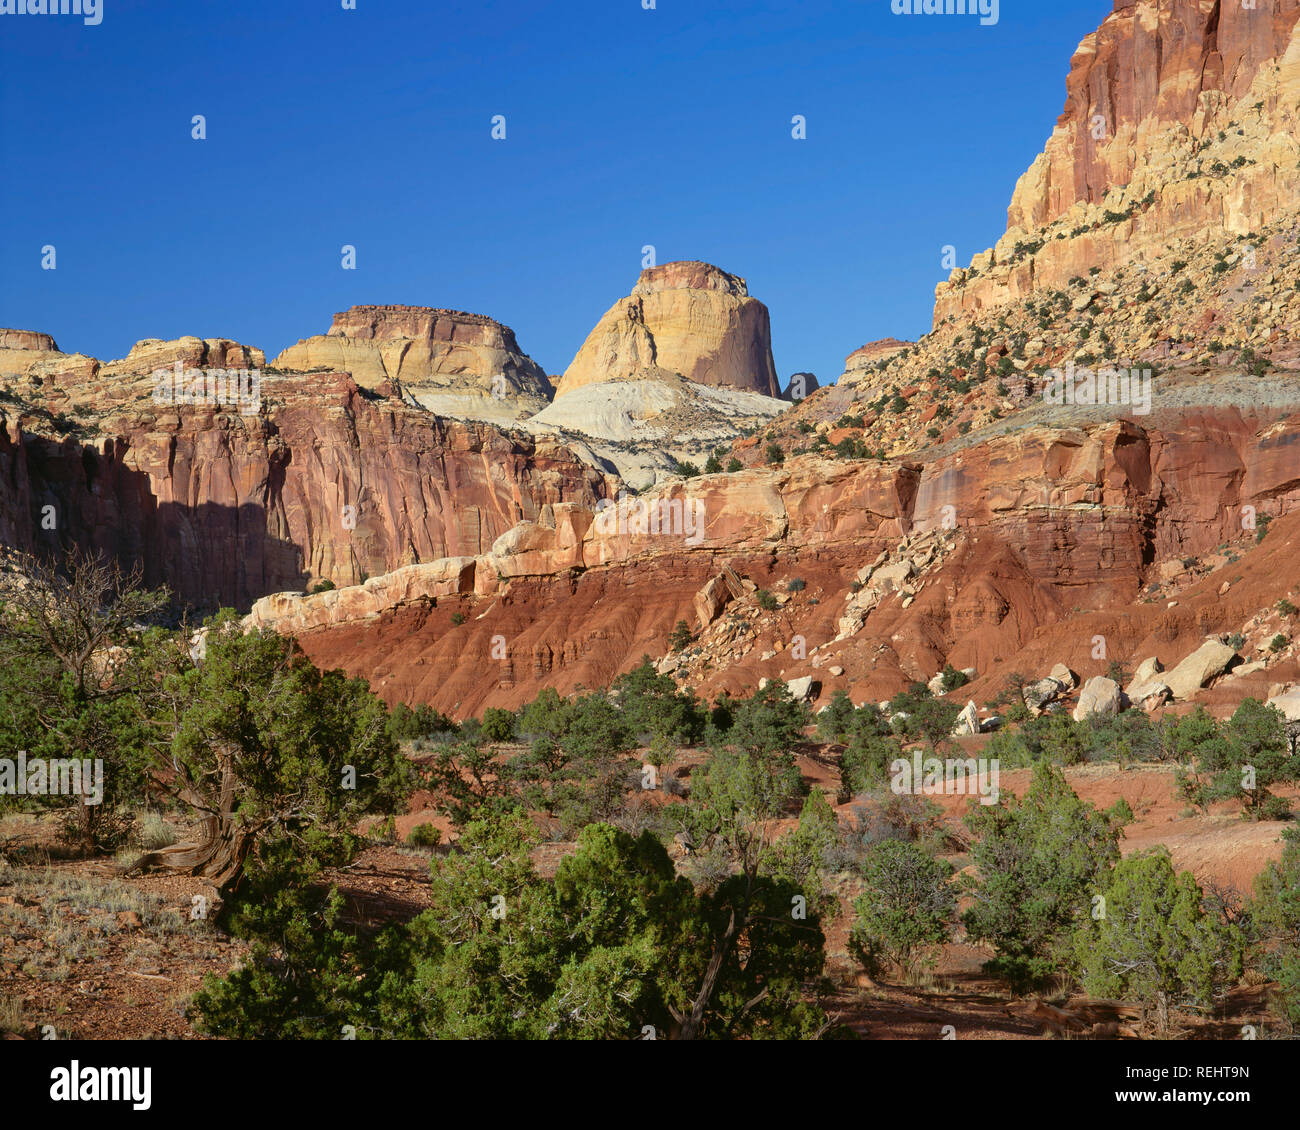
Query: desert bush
651, 704
906, 910
681, 637
498, 725
424, 836
835, 723
153, 833
1242, 760
866, 762
952, 678
1275, 918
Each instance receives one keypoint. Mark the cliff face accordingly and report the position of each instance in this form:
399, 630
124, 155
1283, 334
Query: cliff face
1180, 120
325, 483
965, 519
27, 339
454, 363
683, 319
1153, 64
1040, 525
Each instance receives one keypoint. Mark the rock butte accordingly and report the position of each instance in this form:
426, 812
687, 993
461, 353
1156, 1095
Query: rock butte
684, 319
27, 339
446, 360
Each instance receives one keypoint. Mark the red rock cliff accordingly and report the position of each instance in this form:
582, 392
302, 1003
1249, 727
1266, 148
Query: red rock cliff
326, 483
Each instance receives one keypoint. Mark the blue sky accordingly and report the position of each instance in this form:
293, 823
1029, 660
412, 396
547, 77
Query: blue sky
624, 127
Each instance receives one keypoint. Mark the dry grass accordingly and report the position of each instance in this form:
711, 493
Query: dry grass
11, 1014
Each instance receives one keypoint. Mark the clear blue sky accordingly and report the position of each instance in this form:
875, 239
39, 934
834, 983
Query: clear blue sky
625, 127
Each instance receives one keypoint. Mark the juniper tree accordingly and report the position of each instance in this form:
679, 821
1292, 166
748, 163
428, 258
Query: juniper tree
1039, 860
71, 673
1275, 919
1151, 939
907, 907
264, 746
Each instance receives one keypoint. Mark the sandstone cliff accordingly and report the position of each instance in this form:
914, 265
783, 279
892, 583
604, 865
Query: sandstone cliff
1180, 121
27, 340
192, 352
325, 482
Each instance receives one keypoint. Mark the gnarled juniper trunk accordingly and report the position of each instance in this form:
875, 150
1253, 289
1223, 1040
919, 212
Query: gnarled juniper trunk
225, 841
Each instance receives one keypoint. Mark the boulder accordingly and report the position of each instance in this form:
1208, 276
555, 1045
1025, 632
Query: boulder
1146, 674
1063, 675
1206, 663
1098, 699
889, 578
716, 595
968, 721
1148, 695
1289, 704
1038, 695
1248, 669
805, 689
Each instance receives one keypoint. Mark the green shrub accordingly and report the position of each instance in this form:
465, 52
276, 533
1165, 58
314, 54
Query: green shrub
424, 836
1150, 939
498, 725
1240, 760
906, 909
952, 678
1037, 862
